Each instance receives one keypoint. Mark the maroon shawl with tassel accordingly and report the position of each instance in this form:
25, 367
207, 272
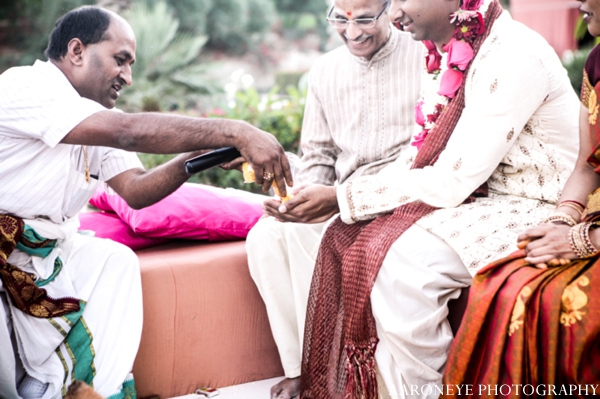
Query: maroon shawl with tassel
340, 335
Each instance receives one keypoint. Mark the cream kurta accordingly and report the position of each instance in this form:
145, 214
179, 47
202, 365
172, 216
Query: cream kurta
359, 113
518, 132
358, 119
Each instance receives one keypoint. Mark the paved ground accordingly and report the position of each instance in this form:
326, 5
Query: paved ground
251, 390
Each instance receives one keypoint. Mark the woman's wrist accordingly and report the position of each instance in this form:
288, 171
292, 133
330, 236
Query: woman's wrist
572, 208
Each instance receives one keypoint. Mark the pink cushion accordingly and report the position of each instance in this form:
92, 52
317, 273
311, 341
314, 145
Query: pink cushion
194, 211
109, 225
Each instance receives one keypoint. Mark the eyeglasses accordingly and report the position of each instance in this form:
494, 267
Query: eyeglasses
362, 23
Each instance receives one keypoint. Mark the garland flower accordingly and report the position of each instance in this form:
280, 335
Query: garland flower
440, 87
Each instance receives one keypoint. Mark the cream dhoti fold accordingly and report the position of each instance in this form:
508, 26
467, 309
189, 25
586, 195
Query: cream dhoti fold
97, 344
419, 275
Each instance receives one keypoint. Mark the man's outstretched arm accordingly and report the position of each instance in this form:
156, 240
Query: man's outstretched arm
168, 134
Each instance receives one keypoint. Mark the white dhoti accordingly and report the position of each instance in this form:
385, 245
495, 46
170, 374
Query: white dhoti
102, 343
418, 277
281, 258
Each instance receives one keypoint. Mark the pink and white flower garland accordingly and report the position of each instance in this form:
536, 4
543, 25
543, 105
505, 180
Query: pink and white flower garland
440, 87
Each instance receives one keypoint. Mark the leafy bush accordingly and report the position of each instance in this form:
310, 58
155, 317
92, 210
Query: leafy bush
236, 25
277, 114
299, 17
574, 63
31, 22
166, 72
231, 25
192, 14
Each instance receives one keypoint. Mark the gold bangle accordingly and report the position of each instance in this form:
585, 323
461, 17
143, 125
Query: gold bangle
571, 205
561, 217
578, 204
580, 241
585, 232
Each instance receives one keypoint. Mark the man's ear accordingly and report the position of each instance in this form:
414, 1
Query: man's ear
75, 51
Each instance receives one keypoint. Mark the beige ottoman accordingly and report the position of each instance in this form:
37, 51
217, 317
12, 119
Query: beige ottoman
205, 323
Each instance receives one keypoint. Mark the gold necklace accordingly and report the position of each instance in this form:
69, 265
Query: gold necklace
87, 166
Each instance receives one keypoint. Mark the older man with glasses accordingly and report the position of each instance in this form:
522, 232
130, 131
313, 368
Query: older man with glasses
359, 118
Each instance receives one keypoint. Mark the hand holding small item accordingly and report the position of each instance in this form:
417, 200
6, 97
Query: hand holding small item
250, 177
314, 203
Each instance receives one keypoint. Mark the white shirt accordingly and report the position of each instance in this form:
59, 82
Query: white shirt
41, 178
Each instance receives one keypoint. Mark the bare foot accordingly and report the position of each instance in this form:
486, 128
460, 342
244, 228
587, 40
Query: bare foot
289, 388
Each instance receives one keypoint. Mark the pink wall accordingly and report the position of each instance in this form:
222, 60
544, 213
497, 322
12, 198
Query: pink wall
553, 19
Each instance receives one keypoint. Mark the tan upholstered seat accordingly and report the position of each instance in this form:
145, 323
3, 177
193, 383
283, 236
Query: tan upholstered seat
205, 323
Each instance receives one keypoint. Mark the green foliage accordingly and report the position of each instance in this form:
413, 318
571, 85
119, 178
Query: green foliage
235, 25
574, 65
231, 25
277, 114
31, 22
281, 116
299, 17
226, 27
583, 37
192, 14
286, 79
580, 29
166, 73
317, 7
261, 16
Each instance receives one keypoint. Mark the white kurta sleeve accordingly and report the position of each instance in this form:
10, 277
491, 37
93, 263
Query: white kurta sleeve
318, 147
41, 104
500, 99
116, 161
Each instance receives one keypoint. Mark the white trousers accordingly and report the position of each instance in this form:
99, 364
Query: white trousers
106, 276
418, 277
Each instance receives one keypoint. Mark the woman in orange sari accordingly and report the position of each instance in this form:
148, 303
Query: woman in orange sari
532, 327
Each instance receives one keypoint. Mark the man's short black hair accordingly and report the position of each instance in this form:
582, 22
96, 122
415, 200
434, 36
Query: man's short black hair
88, 23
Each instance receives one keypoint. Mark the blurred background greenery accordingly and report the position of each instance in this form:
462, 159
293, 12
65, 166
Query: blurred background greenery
184, 58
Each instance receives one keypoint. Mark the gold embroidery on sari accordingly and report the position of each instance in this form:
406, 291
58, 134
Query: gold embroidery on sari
518, 314
593, 204
593, 108
573, 300
589, 99
586, 90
